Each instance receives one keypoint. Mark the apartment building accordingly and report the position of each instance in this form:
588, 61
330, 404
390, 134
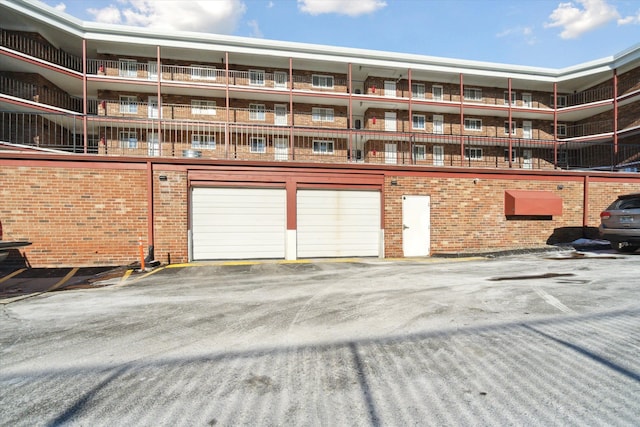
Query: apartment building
314, 129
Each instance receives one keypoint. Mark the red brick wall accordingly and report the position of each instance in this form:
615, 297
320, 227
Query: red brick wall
170, 215
74, 216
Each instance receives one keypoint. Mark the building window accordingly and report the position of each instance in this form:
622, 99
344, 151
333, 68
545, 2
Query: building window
419, 121
203, 72
256, 77
562, 101
203, 107
322, 114
257, 112
258, 145
128, 104
417, 90
325, 82
128, 68
562, 129
200, 140
419, 152
280, 79
473, 153
506, 97
128, 140
473, 124
437, 92
506, 154
323, 147
513, 128
472, 94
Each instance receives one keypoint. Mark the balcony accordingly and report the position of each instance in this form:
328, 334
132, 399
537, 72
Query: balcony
42, 94
23, 43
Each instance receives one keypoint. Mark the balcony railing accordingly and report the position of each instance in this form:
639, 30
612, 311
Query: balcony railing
22, 43
40, 94
118, 136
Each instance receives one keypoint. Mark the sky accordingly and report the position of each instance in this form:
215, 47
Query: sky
539, 33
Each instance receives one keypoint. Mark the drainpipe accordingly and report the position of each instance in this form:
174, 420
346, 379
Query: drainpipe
150, 212
84, 95
585, 206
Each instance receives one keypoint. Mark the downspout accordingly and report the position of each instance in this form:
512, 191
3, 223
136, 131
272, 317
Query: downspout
350, 148
555, 125
585, 206
292, 123
509, 125
461, 120
150, 213
615, 111
84, 95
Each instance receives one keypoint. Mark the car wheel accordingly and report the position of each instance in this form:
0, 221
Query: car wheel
623, 247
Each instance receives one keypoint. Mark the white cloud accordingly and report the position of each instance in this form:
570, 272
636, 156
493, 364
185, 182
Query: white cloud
255, 29
633, 19
61, 7
221, 16
270, 5
342, 7
582, 17
525, 33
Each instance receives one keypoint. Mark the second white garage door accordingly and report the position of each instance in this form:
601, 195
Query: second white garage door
338, 223
238, 223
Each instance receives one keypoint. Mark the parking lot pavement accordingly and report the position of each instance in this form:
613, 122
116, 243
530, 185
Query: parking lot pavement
538, 339
19, 283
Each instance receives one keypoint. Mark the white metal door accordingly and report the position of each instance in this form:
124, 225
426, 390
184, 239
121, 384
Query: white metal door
390, 121
280, 112
153, 144
438, 155
281, 147
527, 159
390, 154
337, 223
416, 225
438, 124
527, 132
238, 223
152, 107
390, 88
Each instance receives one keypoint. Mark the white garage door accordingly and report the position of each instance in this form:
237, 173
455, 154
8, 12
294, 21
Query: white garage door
336, 223
238, 223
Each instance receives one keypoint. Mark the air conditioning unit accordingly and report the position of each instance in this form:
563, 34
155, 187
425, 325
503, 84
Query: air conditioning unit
358, 92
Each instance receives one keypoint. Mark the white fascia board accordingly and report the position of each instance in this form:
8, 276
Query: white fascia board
46, 14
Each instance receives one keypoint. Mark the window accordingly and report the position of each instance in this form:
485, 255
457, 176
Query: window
473, 153
280, 79
562, 101
562, 129
437, 92
203, 107
417, 90
323, 147
473, 124
526, 100
258, 145
506, 97
202, 72
256, 77
506, 154
419, 121
128, 140
471, 94
257, 112
128, 104
201, 140
322, 114
128, 68
322, 81
419, 152
513, 128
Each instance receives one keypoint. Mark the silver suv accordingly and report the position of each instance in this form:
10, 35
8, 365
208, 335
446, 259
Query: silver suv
620, 223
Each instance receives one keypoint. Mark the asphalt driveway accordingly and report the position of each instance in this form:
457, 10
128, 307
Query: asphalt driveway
544, 339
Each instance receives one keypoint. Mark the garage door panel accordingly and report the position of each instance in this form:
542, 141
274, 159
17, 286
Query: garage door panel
338, 223
238, 223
